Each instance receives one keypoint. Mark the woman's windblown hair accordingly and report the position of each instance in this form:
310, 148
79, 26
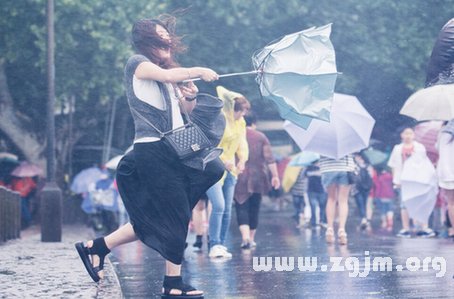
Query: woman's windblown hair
147, 41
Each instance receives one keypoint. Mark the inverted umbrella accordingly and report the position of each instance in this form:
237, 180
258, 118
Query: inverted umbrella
419, 187
304, 159
427, 134
26, 169
349, 130
375, 157
83, 179
298, 73
432, 103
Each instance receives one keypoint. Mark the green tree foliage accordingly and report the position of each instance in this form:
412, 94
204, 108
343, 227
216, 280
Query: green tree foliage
382, 50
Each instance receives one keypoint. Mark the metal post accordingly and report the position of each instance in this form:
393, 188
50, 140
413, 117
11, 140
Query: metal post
70, 136
110, 134
51, 202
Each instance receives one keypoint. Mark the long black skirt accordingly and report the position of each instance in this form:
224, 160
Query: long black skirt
159, 193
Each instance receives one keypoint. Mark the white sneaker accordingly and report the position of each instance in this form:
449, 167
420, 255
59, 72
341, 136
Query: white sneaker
227, 254
216, 251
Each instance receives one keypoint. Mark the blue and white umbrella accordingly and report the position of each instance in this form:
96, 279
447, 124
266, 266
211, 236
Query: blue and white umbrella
299, 74
83, 179
304, 159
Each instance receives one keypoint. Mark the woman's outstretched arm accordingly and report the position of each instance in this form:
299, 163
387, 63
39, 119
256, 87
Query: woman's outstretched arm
150, 71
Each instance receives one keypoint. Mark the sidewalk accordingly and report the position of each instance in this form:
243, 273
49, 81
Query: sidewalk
32, 269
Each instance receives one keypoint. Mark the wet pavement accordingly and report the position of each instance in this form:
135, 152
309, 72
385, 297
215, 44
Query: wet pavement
141, 270
30, 268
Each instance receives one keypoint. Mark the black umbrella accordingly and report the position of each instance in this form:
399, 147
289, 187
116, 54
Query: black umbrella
441, 64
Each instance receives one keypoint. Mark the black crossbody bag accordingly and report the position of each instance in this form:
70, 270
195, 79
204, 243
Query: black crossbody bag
185, 141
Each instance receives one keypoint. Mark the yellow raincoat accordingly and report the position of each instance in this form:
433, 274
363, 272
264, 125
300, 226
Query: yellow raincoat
233, 142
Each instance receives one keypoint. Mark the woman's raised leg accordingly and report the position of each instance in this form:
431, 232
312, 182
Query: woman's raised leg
124, 234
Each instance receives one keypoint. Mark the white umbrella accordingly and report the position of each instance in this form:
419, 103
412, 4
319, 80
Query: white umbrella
432, 103
83, 179
419, 187
113, 163
348, 131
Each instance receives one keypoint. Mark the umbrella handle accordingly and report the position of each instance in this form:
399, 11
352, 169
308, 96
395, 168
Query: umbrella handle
226, 75
236, 74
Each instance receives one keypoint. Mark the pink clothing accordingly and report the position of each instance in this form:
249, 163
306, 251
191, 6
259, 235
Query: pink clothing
384, 185
407, 152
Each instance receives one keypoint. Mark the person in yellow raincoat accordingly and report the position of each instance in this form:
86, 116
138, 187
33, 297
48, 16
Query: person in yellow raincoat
235, 154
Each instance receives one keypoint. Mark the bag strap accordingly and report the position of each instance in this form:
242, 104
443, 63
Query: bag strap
180, 98
138, 114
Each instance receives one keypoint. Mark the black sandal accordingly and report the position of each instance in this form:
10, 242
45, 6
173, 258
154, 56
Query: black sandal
176, 283
100, 249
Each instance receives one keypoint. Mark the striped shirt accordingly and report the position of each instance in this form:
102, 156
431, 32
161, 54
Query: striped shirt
345, 164
300, 186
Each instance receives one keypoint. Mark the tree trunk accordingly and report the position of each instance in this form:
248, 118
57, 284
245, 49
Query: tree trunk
11, 125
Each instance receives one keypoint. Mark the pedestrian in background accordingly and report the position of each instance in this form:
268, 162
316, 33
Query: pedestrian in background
200, 215
400, 154
363, 186
258, 178
445, 169
384, 193
316, 194
278, 196
337, 178
299, 193
235, 154
26, 187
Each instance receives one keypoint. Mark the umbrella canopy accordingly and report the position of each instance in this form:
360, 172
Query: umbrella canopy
8, 162
85, 178
432, 103
349, 130
375, 157
8, 156
419, 187
26, 169
441, 64
113, 163
304, 159
299, 73
427, 134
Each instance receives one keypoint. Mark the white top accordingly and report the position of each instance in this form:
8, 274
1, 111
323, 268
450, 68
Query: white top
148, 92
396, 161
445, 166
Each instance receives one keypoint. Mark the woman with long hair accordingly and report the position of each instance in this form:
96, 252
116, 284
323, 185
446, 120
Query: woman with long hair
158, 188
